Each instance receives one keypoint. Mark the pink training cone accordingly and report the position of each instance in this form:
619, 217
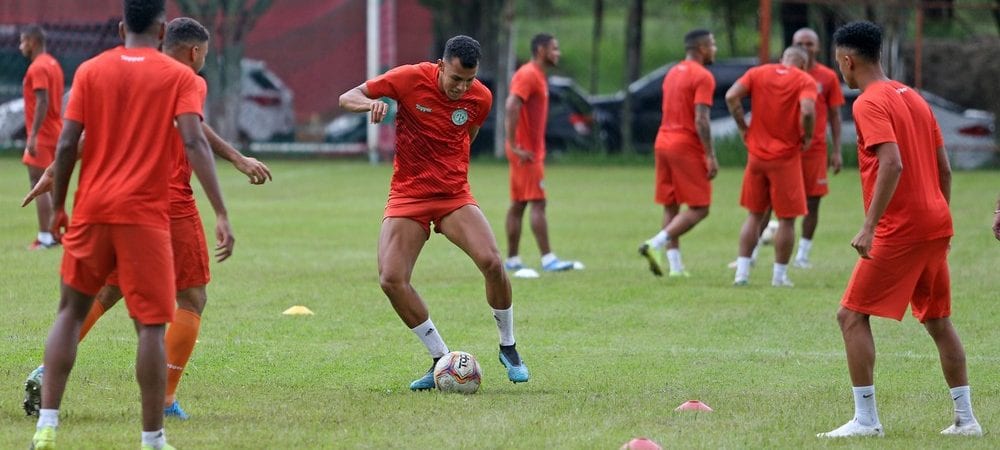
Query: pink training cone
693, 405
641, 443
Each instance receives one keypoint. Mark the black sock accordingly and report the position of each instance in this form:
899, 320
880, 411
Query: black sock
511, 353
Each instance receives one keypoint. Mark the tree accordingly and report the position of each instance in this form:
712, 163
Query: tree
595, 46
229, 22
633, 65
732, 10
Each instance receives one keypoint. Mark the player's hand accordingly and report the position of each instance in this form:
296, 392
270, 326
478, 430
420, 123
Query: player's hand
996, 226
58, 224
836, 162
44, 185
255, 170
862, 242
712, 164
29, 147
224, 239
523, 155
379, 110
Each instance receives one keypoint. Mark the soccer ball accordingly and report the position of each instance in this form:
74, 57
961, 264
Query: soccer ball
767, 237
458, 372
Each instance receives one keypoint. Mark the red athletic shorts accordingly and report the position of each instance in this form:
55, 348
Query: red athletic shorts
682, 177
425, 211
187, 239
142, 256
898, 275
44, 155
814, 173
775, 183
526, 179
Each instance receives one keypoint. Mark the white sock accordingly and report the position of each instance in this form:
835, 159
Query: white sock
429, 335
548, 258
514, 261
505, 324
742, 268
753, 254
804, 246
46, 238
864, 405
48, 418
963, 405
155, 439
674, 258
659, 240
780, 272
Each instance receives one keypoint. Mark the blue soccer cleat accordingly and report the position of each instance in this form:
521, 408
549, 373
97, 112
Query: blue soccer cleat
517, 371
175, 411
424, 383
557, 265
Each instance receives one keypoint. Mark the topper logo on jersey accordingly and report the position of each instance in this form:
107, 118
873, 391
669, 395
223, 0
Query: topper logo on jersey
133, 59
459, 117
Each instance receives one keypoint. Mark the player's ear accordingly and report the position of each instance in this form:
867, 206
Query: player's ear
162, 31
121, 29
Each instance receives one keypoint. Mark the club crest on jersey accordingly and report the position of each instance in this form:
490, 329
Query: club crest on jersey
459, 117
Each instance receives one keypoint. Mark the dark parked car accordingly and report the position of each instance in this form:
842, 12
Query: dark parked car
647, 103
570, 121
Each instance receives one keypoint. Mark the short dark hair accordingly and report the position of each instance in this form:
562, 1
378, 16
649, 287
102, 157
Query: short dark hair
184, 31
863, 37
540, 40
34, 32
141, 14
693, 38
465, 48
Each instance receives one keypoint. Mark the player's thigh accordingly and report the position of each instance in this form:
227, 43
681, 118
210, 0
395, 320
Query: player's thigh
884, 284
187, 239
787, 193
527, 181
664, 192
146, 272
690, 177
468, 228
814, 174
754, 190
399, 244
932, 294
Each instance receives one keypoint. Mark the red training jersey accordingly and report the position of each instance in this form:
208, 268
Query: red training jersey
44, 73
127, 99
828, 95
530, 84
687, 84
182, 202
775, 91
889, 111
432, 131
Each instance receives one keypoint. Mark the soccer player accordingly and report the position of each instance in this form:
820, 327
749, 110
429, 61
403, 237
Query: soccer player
126, 98
783, 101
186, 41
685, 160
527, 114
441, 108
815, 160
904, 239
996, 221
43, 91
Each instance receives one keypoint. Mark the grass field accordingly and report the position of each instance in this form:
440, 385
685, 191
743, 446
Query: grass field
612, 349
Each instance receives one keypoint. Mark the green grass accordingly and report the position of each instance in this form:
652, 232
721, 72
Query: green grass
612, 349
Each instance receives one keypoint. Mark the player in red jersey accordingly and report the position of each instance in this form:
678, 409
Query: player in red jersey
527, 115
441, 108
43, 92
817, 158
904, 240
783, 103
123, 98
685, 160
996, 221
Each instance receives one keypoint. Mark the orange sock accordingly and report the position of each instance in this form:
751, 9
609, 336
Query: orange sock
180, 339
95, 313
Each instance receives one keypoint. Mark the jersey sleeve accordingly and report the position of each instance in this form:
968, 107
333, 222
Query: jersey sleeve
37, 79
393, 82
484, 107
705, 89
874, 123
808, 89
522, 86
747, 79
191, 95
77, 95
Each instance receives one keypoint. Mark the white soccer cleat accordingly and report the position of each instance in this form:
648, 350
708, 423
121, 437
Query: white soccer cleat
802, 263
968, 429
782, 282
854, 429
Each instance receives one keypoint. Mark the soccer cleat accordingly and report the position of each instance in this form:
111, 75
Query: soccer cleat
33, 391
44, 439
968, 429
654, 255
783, 282
175, 411
38, 245
557, 265
741, 282
426, 382
679, 274
513, 267
854, 429
733, 264
802, 263
517, 371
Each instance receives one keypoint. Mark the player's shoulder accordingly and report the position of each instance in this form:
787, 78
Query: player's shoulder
480, 92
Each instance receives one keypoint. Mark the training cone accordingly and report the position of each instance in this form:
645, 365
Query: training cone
298, 310
641, 443
526, 273
693, 405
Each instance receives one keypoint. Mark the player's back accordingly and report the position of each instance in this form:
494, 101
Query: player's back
775, 92
686, 84
126, 100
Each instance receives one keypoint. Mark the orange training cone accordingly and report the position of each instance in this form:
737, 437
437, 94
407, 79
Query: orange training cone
693, 405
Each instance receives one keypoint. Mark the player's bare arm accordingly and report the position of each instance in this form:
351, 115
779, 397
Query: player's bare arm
511, 119
203, 165
41, 109
256, 171
65, 162
944, 173
703, 125
44, 183
473, 132
807, 117
734, 98
890, 167
836, 156
359, 100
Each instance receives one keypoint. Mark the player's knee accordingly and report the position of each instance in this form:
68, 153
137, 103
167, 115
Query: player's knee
847, 319
490, 265
192, 299
393, 283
